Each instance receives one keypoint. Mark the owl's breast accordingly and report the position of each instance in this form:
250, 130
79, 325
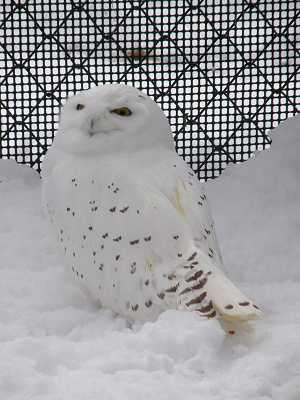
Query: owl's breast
112, 235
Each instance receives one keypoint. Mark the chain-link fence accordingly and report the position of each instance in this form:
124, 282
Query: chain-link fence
224, 71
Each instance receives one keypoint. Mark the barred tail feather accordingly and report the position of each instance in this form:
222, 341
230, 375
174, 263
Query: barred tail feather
209, 292
229, 302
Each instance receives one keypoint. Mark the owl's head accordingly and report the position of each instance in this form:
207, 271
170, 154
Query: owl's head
111, 118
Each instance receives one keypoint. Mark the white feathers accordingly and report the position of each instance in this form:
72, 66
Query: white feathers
130, 217
89, 125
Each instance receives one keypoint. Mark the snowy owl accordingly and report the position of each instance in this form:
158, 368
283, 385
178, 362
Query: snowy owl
131, 218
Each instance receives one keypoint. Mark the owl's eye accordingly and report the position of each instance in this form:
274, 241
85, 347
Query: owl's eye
80, 106
123, 111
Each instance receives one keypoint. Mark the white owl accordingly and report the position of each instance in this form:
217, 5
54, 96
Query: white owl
130, 216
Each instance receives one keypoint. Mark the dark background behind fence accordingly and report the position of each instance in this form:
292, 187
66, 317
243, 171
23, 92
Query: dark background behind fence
224, 72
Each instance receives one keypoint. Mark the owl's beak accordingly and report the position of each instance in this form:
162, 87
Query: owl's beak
100, 125
91, 133
91, 130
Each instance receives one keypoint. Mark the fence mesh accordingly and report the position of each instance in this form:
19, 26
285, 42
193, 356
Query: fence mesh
224, 71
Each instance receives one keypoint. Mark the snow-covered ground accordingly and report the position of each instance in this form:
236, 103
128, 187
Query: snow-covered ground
56, 344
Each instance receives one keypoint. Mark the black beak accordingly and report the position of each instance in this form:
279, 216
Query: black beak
91, 133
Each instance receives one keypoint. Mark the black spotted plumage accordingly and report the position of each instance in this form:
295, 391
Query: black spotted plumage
134, 214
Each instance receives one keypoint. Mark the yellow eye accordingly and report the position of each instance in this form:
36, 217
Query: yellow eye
123, 111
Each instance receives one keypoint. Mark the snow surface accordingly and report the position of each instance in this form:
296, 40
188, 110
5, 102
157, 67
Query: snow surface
56, 344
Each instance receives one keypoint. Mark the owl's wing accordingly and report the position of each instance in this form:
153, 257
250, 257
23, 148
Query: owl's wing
201, 282
187, 195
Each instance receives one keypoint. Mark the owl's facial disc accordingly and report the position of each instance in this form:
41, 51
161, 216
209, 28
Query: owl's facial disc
111, 118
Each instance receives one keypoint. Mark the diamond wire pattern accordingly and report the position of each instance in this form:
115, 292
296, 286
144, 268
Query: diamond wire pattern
225, 72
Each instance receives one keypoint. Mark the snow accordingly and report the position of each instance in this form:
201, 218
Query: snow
56, 344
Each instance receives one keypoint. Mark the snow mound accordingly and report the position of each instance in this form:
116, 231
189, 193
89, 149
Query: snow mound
256, 207
11, 171
56, 344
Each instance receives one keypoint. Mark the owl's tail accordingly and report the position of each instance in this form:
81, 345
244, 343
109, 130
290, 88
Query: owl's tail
208, 291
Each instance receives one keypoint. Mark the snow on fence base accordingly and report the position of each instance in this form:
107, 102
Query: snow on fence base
225, 73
